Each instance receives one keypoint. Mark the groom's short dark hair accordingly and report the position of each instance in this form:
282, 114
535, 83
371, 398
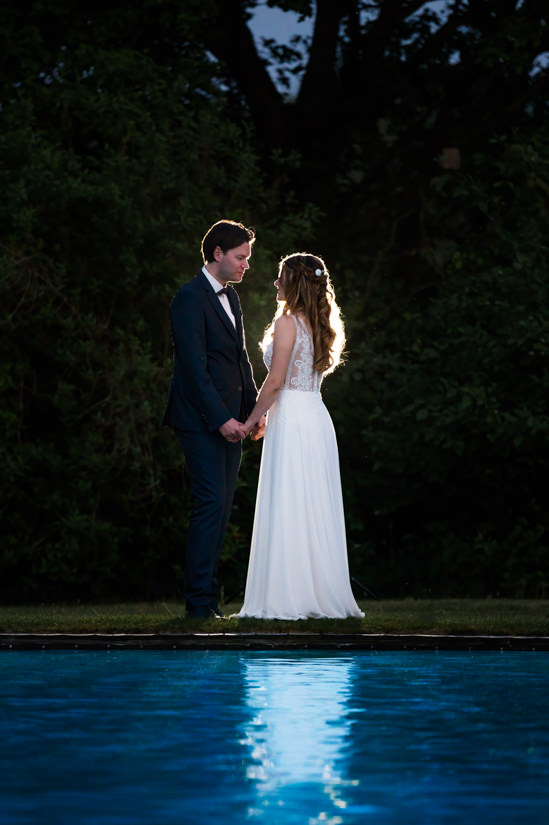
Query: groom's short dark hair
227, 235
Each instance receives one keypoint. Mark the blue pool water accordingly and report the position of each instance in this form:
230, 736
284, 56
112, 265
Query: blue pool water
311, 738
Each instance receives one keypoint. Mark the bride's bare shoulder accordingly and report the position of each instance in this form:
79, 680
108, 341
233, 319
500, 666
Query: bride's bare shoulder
284, 326
284, 322
285, 318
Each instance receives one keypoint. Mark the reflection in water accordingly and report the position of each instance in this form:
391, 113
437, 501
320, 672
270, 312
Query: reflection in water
298, 737
207, 737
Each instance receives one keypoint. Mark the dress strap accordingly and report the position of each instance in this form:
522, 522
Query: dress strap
301, 322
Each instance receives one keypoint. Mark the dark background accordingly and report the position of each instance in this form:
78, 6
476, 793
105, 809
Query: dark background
413, 157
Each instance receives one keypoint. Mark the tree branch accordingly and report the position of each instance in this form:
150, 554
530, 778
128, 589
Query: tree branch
320, 77
233, 45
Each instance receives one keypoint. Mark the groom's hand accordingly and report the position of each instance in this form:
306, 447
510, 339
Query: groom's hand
258, 430
233, 430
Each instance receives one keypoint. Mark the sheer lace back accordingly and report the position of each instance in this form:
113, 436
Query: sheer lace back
301, 374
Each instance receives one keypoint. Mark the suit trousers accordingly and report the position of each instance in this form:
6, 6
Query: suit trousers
212, 465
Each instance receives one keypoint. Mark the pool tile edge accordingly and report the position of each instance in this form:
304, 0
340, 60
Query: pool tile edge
266, 641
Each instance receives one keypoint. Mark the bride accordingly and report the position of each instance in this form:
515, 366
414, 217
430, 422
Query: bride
298, 561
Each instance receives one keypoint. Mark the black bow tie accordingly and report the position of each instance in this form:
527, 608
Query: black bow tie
221, 292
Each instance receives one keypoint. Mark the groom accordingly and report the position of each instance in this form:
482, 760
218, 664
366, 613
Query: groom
211, 393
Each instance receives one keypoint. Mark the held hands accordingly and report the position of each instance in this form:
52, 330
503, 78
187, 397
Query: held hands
233, 430
258, 430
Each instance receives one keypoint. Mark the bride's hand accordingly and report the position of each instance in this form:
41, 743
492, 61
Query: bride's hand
258, 430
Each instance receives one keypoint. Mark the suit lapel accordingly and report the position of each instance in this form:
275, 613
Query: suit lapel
218, 307
237, 312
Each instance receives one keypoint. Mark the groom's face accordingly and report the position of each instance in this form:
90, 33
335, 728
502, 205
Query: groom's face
233, 263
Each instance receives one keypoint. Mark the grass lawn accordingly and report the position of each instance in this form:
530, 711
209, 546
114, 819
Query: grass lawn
513, 617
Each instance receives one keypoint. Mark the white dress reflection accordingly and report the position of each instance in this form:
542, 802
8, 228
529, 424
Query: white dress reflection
298, 735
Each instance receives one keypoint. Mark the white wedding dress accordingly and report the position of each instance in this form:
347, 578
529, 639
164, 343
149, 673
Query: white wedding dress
298, 560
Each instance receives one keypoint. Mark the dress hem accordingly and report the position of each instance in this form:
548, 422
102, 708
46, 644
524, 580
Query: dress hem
359, 615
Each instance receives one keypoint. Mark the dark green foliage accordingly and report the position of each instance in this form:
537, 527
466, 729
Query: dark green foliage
113, 168
100, 188
449, 415
91, 239
122, 141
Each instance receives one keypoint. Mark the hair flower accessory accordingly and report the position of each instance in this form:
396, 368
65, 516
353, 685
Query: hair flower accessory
319, 272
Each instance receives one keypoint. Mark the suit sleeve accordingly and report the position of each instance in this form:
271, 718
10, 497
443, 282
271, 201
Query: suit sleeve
189, 339
249, 388
249, 384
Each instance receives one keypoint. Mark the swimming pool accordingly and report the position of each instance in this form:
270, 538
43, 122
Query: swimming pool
315, 738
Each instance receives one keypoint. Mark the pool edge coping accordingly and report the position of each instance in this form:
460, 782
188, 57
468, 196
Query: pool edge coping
268, 641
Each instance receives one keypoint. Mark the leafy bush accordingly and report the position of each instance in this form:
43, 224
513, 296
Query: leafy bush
112, 170
448, 427
120, 145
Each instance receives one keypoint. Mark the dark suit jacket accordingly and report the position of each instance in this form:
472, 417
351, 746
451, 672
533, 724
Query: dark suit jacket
212, 377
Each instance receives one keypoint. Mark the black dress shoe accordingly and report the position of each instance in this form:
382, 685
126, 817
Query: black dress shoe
217, 612
202, 613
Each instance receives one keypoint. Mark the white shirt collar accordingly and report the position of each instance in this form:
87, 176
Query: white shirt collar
226, 304
215, 283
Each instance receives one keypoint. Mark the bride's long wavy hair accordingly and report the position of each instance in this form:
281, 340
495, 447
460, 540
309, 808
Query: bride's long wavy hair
308, 289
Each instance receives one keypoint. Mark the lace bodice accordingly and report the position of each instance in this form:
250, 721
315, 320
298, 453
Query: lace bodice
300, 375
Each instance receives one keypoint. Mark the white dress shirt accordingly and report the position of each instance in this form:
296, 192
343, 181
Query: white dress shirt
223, 298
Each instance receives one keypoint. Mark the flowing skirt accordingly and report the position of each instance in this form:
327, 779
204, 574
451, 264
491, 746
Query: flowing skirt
298, 560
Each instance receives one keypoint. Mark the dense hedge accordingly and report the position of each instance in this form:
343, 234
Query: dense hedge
112, 167
447, 432
105, 199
